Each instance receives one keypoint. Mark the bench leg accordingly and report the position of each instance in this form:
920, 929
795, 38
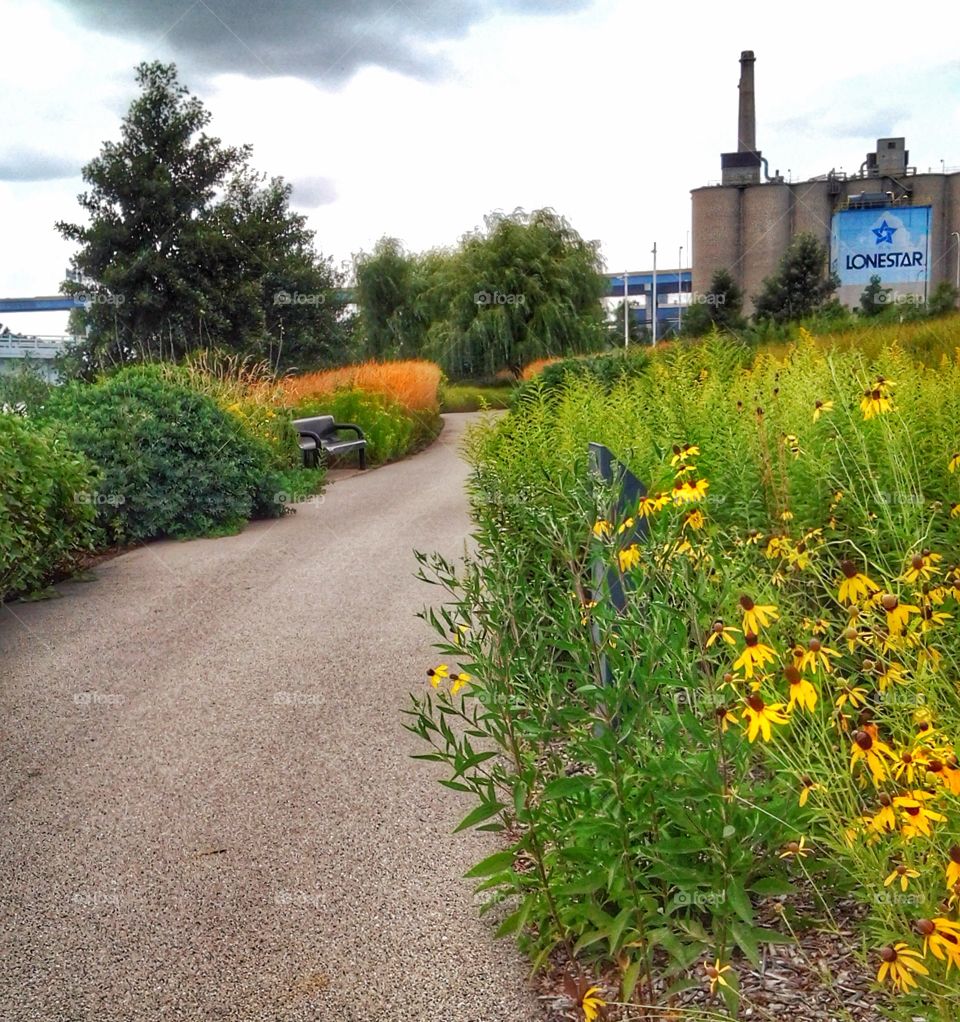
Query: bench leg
363, 457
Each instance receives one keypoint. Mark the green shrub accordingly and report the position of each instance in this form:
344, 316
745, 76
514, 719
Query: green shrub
391, 430
46, 513
172, 462
25, 385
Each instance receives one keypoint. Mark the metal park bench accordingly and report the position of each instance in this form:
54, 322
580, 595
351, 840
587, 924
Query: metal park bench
319, 434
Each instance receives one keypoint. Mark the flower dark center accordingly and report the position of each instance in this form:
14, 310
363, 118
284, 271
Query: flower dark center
747, 603
863, 740
848, 568
755, 703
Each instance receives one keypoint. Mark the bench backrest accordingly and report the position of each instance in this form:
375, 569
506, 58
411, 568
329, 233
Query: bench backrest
319, 424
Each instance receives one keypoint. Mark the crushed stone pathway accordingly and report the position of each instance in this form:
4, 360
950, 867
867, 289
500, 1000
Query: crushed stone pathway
209, 809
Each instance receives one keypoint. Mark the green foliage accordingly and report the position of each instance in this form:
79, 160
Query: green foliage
524, 287
391, 430
46, 508
466, 398
392, 293
172, 463
800, 287
25, 385
641, 832
527, 286
186, 246
873, 300
720, 308
943, 299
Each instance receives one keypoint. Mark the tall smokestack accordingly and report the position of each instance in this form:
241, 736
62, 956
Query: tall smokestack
747, 123
743, 166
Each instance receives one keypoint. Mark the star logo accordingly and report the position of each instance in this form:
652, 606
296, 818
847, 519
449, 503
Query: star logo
884, 233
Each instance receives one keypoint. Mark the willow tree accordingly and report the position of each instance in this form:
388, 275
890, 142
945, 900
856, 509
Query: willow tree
525, 287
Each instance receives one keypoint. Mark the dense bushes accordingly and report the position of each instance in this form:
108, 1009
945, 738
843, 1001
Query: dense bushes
172, 462
46, 513
771, 726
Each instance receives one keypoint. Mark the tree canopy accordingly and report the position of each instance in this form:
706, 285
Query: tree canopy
801, 286
186, 246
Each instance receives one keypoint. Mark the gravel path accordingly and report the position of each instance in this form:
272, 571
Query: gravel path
209, 807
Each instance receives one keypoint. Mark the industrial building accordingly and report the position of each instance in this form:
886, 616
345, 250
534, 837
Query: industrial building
886, 220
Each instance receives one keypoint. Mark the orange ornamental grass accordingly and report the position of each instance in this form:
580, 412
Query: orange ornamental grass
413, 383
535, 367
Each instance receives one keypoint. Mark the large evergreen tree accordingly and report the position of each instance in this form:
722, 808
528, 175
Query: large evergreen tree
801, 286
185, 246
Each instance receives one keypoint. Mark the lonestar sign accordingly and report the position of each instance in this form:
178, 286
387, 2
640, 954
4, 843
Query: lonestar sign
891, 243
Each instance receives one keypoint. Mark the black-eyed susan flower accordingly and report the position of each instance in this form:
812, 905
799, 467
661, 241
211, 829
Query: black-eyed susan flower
756, 616
884, 820
953, 867
955, 510
816, 655
921, 566
941, 937
898, 614
867, 748
877, 399
915, 817
807, 786
602, 529
907, 765
649, 505
759, 717
755, 654
904, 874
683, 452
931, 619
459, 633
855, 585
725, 717
795, 849
694, 520
954, 463
792, 444
458, 681
821, 408
629, 557
715, 974
437, 674
898, 963
719, 631
852, 694
890, 674
802, 693
591, 1003
686, 491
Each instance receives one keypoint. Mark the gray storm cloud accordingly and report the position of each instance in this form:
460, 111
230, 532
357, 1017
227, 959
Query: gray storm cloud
324, 41
313, 191
33, 165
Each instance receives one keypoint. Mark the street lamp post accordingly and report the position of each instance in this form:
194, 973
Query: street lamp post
956, 234
626, 312
653, 300
680, 290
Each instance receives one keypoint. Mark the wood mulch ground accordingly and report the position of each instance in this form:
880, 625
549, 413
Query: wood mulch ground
818, 979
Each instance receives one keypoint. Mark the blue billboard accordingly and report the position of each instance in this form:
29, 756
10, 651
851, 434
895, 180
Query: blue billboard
889, 242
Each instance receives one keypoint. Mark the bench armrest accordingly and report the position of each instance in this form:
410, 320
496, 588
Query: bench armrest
313, 436
349, 425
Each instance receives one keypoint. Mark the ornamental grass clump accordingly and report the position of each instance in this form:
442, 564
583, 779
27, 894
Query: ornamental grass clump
765, 742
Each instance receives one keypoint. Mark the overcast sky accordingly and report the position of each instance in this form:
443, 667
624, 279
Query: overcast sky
414, 119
